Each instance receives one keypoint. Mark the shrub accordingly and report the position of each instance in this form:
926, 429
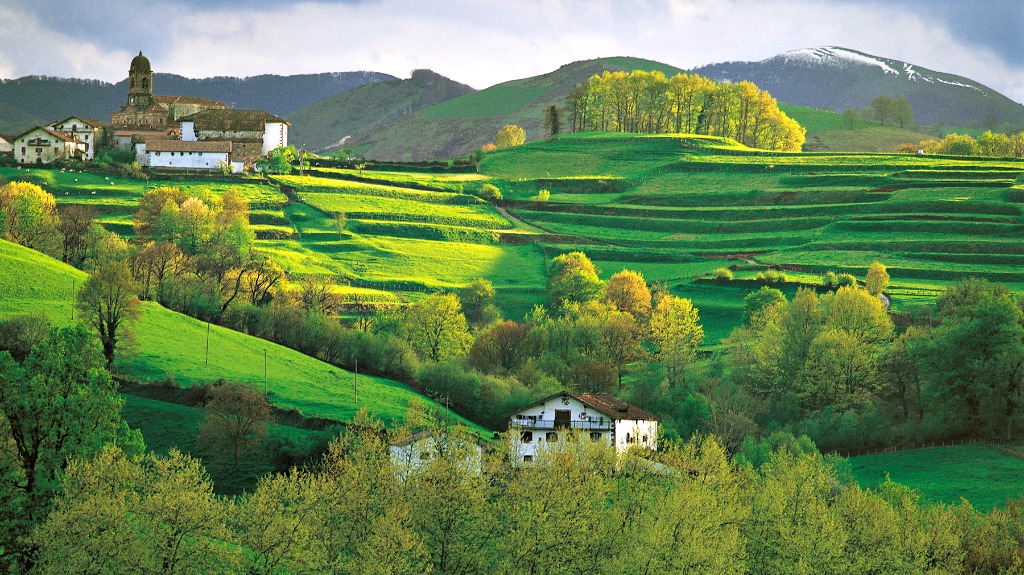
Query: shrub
722, 274
830, 280
542, 196
771, 277
133, 171
844, 280
490, 192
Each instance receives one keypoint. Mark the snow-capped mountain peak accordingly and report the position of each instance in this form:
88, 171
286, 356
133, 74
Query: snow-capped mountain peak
833, 56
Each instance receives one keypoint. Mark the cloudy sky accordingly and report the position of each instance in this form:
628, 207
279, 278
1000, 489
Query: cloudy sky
484, 42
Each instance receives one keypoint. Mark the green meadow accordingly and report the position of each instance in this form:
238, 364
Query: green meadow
672, 207
984, 474
169, 345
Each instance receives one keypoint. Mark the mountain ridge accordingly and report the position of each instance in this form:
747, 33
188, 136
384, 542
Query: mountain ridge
837, 78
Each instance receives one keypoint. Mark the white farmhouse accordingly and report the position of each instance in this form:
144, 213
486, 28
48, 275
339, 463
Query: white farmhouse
7, 145
412, 454
602, 416
45, 146
188, 155
90, 132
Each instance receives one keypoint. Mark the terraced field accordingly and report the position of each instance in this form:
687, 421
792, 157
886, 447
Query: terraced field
675, 208
672, 207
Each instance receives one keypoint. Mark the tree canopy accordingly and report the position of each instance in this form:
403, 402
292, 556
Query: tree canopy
650, 103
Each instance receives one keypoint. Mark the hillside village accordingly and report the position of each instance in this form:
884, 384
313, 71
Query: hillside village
163, 132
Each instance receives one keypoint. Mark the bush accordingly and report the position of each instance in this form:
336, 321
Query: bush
771, 277
542, 196
844, 280
490, 192
830, 280
450, 381
722, 274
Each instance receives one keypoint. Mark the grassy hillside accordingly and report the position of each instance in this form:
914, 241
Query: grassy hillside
324, 124
672, 207
826, 132
459, 126
172, 345
677, 207
985, 475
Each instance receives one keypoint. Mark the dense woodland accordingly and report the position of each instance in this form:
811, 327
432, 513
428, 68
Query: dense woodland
651, 103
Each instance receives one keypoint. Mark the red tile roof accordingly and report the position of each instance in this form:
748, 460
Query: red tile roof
613, 407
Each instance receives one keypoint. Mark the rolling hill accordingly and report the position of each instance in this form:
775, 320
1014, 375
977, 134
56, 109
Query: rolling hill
172, 345
839, 78
324, 124
459, 126
33, 100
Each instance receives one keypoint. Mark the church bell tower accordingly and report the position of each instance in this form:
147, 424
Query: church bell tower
140, 83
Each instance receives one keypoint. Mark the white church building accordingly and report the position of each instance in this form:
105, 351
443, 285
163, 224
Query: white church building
601, 416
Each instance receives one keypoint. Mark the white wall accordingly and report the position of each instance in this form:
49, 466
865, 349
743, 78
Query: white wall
80, 130
635, 433
275, 135
415, 457
54, 149
188, 132
543, 415
187, 160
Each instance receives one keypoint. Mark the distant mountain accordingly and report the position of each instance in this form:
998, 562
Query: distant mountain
459, 126
360, 111
40, 99
839, 78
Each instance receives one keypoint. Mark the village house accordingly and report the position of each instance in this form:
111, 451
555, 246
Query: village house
7, 145
412, 454
176, 154
92, 133
45, 146
600, 416
240, 126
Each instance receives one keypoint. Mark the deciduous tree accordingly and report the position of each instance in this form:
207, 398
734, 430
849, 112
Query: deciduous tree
877, 279
109, 301
676, 331
628, 292
436, 327
236, 420
509, 135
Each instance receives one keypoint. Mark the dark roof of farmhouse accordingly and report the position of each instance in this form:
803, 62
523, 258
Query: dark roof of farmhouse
605, 404
181, 146
187, 100
86, 121
59, 135
243, 120
613, 407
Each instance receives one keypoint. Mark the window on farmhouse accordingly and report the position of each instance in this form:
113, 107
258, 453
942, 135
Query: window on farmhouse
629, 438
645, 439
551, 436
527, 437
527, 458
594, 435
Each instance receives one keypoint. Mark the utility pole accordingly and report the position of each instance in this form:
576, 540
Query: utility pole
355, 383
207, 344
73, 298
266, 391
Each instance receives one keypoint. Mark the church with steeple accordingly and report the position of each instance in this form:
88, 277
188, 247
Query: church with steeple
188, 132
146, 111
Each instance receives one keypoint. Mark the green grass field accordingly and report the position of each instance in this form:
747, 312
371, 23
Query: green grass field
172, 345
672, 207
980, 473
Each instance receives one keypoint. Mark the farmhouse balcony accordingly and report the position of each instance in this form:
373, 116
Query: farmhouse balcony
589, 424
